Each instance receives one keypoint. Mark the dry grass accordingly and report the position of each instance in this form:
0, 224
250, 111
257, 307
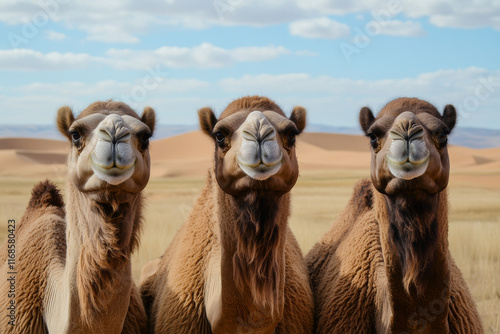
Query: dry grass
317, 199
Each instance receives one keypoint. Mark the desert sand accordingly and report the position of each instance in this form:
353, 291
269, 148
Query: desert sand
190, 154
330, 165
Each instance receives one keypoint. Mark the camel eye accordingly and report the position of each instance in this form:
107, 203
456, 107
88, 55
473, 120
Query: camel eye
373, 139
219, 137
289, 141
76, 138
144, 141
442, 138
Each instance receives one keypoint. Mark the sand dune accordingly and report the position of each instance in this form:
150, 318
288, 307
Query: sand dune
191, 154
336, 142
43, 157
32, 144
191, 145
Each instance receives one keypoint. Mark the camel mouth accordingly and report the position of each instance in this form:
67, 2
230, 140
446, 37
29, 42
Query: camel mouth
113, 175
261, 171
408, 170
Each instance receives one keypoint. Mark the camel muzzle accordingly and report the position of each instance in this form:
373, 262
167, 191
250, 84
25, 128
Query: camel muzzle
408, 156
113, 158
259, 155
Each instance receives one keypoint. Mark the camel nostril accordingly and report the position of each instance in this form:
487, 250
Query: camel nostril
398, 135
266, 132
407, 130
417, 132
114, 135
248, 135
106, 134
122, 134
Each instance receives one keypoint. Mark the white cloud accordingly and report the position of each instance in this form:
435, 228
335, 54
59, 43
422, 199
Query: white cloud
340, 7
54, 35
204, 55
336, 101
30, 60
327, 28
322, 27
329, 100
467, 14
176, 100
124, 22
117, 21
441, 13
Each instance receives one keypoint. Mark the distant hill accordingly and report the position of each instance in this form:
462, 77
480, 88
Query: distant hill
462, 136
51, 132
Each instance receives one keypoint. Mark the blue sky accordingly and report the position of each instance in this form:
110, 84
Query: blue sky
332, 57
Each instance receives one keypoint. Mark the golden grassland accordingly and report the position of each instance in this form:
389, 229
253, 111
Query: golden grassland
318, 197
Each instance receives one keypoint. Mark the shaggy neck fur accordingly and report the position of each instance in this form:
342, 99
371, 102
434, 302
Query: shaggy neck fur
414, 228
253, 229
97, 272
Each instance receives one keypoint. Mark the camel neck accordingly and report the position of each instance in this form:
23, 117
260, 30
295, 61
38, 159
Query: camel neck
97, 274
252, 229
414, 235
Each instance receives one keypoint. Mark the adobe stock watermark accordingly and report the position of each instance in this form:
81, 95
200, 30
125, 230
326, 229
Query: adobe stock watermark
222, 7
363, 37
31, 27
484, 90
139, 92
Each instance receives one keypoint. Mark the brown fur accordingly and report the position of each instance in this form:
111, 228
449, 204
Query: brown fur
64, 120
239, 224
74, 267
108, 107
255, 261
112, 253
43, 221
251, 103
384, 265
413, 230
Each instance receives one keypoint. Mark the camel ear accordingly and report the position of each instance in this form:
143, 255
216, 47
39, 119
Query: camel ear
299, 115
207, 120
450, 116
149, 118
64, 120
366, 119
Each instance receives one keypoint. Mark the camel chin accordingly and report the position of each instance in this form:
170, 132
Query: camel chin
407, 170
260, 172
114, 175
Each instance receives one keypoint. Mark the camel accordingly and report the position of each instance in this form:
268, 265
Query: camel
235, 266
384, 266
72, 262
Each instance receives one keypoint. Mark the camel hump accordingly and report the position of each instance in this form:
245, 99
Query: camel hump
45, 194
362, 196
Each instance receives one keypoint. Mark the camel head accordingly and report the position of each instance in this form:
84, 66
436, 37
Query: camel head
109, 149
254, 145
409, 146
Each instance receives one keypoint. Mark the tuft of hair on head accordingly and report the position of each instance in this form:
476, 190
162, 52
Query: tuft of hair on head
207, 120
149, 118
64, 120
450, 116
366, 119
299, 117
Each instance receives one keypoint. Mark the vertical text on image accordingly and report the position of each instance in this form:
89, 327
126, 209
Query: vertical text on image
11, 270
